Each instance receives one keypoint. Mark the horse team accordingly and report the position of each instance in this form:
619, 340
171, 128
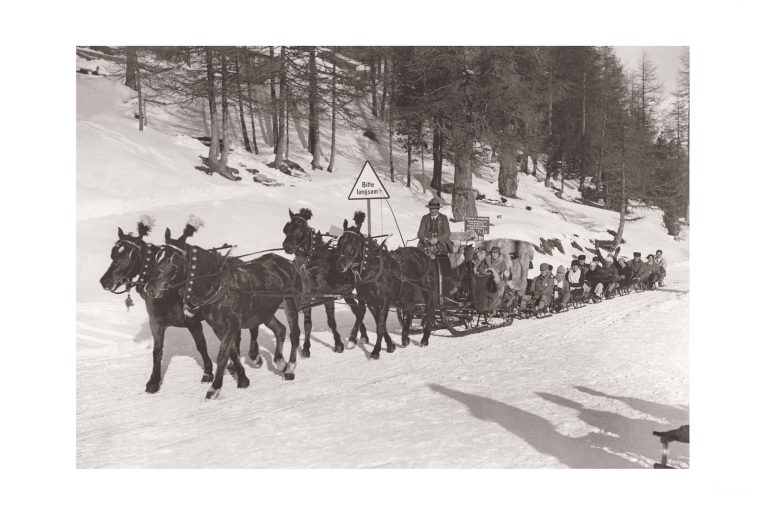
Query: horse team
183, 285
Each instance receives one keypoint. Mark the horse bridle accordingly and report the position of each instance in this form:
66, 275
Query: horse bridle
141, 275
311, 233
363, 256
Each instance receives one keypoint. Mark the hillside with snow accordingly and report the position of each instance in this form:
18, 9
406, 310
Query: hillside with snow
580, 389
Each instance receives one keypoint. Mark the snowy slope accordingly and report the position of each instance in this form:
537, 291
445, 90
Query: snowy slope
577, 390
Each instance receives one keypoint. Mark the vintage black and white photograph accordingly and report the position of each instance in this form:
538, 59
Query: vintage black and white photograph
382, 257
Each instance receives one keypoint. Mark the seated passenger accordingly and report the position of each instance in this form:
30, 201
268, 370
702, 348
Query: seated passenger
625, 278
662, 263
649, 273
434, 231
495, 266
541, 290
562, 292
593, 280
635, 266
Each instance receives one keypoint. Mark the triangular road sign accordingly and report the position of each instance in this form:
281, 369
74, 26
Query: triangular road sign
368, 185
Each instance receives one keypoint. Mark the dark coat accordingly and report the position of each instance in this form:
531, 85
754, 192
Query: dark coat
443, 229
611, 274
543, 287
625, 273
634, 268
593, 277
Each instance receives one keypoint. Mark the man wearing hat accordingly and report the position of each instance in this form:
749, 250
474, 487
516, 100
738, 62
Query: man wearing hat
611, 275
434, 231
635, 267
562, 289
542, 289
582, 259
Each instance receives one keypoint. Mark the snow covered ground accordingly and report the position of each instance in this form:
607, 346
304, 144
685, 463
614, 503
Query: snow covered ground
582, 390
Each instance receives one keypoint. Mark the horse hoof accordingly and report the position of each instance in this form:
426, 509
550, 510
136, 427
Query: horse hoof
152, 387
424, 343
207, 377
363, 340
253, 356
258, 361
351, 344
338, 348
374, 355
212, 394
305, 352
288, 376
406, 342
390, 348
243, 383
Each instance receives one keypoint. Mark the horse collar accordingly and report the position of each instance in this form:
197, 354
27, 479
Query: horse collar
190, 282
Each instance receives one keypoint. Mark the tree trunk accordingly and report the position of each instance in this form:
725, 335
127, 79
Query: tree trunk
213, 150
141, 96
240, 101
249, 79
224, 156
390, 119
287, 116
408, 149
273, 95
583, 163
508, 178
463, 197
421, 148
374, 101
535, 164
314, 114
280, 113
131, 68
386, 85
333, 120
622, 211
437, 156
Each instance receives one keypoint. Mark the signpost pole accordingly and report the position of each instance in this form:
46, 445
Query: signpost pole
368, 201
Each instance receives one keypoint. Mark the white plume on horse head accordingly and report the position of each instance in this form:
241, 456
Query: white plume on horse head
147, 220
195, 221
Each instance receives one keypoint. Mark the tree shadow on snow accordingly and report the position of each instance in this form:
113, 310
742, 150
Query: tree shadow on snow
590, 451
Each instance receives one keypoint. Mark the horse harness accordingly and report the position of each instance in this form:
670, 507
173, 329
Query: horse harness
145, 259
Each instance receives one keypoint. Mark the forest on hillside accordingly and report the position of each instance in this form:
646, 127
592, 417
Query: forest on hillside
576, 112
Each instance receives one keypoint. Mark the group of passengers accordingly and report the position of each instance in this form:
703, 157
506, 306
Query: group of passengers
601, 278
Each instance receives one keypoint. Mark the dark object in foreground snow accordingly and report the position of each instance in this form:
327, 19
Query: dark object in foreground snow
681, 435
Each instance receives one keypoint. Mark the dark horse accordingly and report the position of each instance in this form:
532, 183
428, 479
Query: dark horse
384, 279
230, 295
315, 262
132, 261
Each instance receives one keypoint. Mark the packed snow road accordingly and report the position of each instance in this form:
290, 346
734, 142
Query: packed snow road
583, 389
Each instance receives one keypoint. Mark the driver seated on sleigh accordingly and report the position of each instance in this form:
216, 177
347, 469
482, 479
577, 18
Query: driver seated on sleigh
434, 231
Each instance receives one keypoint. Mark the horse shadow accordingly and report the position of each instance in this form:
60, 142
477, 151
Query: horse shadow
595, 450
178, 342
